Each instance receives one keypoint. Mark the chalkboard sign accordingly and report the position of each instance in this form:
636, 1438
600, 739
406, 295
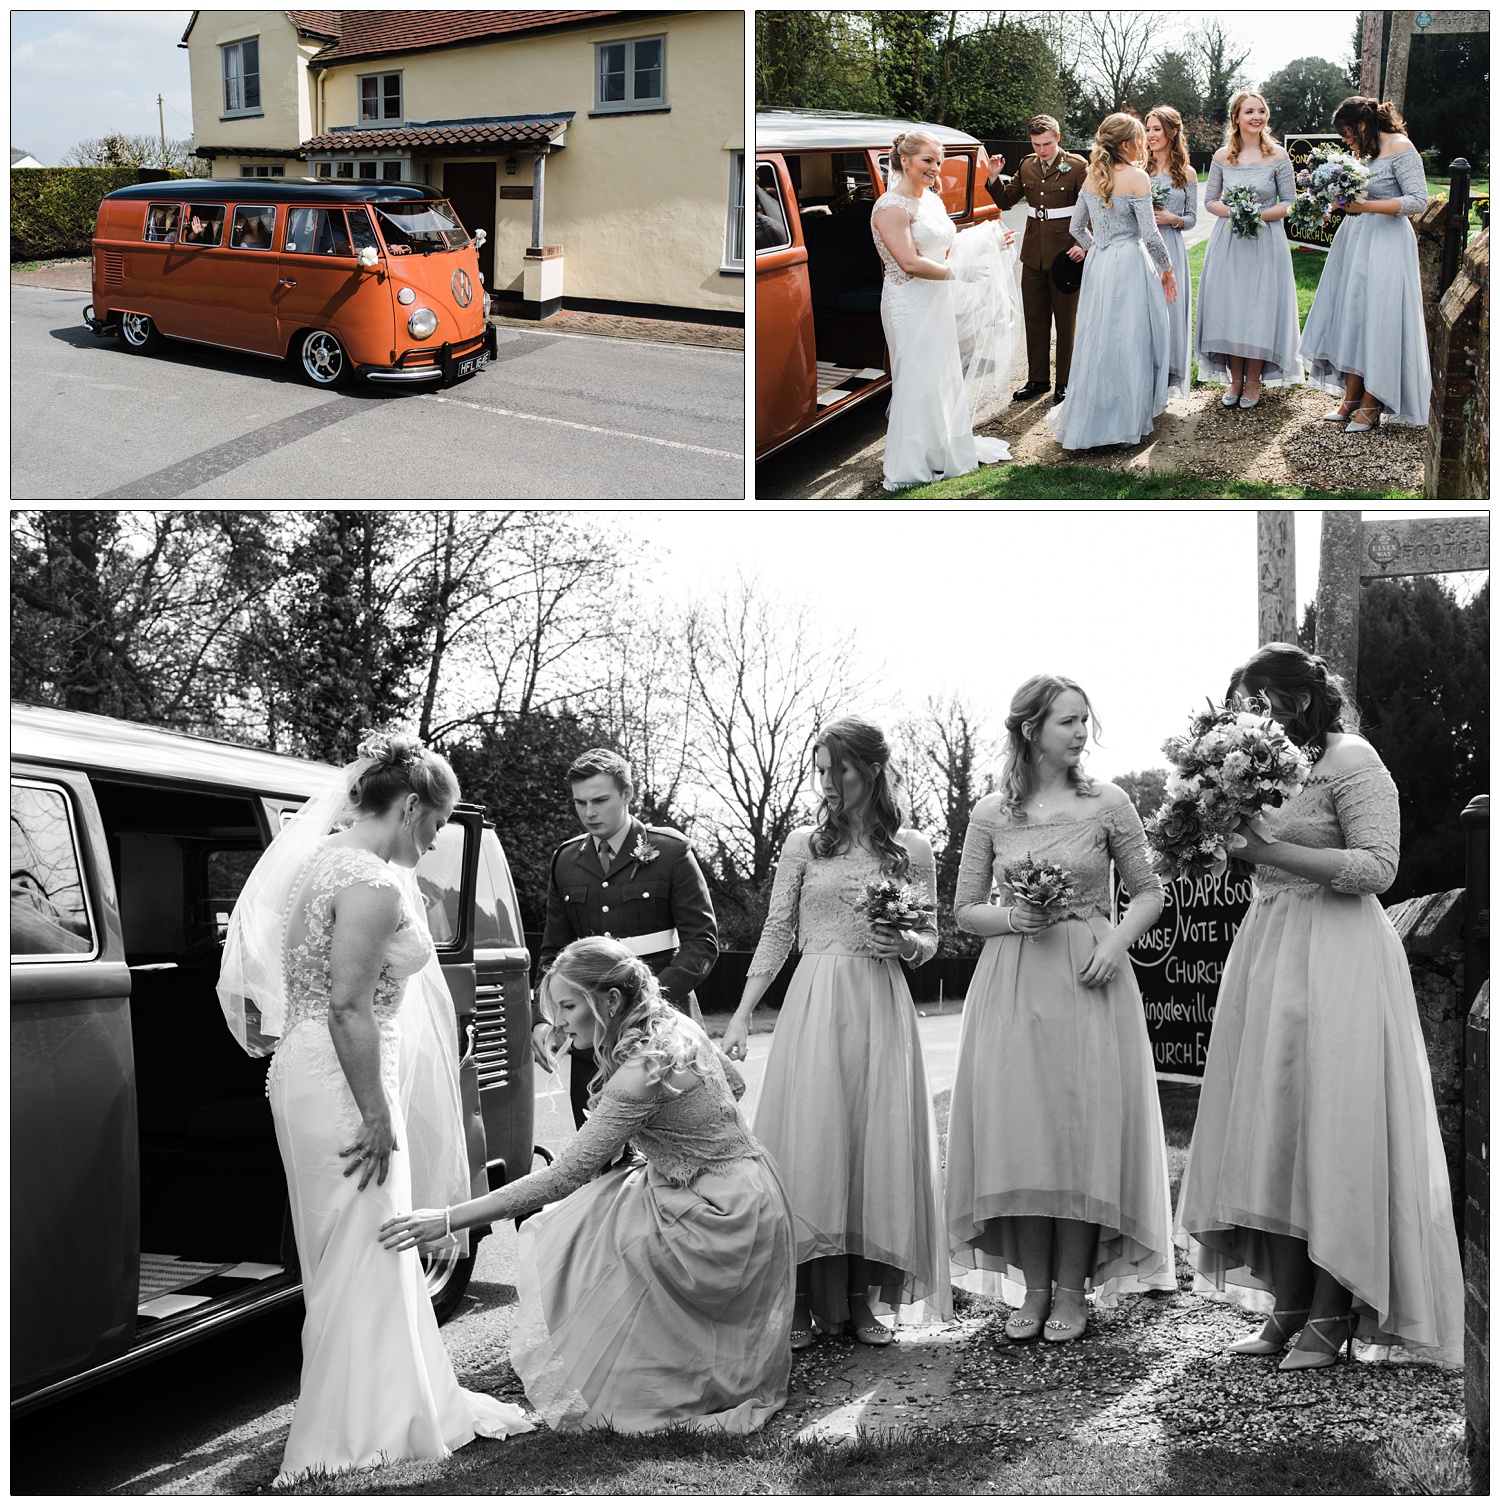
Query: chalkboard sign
1299, 149
1178, 964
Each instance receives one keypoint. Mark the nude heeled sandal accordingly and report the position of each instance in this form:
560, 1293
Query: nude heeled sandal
1021, 1330
1321, 1359
1286, 1325
1055, 1331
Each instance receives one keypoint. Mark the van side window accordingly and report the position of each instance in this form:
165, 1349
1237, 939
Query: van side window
361, 231
225, 870
953, 184
204, 225
440, 877
161, 222
771, 232
496, 921
318, 232
49, 915
253, 224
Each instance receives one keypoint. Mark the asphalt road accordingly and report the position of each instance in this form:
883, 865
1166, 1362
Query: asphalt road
213, 1419
557, 418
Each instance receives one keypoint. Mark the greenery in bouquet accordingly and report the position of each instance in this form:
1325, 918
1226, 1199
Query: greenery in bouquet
890, 902
1159, 194
1046, 886
1232, 763
1305, 220
1243, 204
1333, 178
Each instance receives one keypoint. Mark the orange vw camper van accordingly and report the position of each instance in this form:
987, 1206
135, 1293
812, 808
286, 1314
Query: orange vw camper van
819, 347
372, 280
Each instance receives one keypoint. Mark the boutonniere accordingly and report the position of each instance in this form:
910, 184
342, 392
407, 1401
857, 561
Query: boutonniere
643, 851
1065, 167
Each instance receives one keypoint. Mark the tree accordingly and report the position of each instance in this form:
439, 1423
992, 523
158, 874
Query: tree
1174, 80
815, 60
1217, 50
1116, 53
1423, 697
1002, 75
1146, 788
1303, 95
119, 150
904, 43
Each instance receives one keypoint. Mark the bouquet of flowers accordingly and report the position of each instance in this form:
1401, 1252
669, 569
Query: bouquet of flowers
1333, 178
1159, 194
888, 901
1243, 204
1045, 886
1231, 764
1304, 220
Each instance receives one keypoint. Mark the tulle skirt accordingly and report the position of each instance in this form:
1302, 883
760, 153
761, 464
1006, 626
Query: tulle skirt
377, 1384
846, 1113
1316, 1120
1055, 1115
645, 1304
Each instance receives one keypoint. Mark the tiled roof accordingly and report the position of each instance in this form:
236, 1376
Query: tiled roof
475, 135
377, 33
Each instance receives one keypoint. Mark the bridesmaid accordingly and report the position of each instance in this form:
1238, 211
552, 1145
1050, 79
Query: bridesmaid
1057, 1165
1122, 354
1366, 336
1169, 166
1248, 335
1316, 1171
845, 1108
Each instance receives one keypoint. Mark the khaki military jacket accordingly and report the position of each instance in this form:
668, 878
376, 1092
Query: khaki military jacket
1057, 193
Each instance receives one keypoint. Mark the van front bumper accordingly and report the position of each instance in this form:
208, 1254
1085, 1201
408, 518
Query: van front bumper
447, 364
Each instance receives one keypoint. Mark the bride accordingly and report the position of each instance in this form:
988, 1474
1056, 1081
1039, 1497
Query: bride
948, 306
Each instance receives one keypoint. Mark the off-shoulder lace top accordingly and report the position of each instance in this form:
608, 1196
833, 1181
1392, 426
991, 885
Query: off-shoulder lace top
1399, 177
680, 1135
1183, 201
1083, 845
813, 904
931, 230
1273, 182
1356, 809
309, 934
1128, 217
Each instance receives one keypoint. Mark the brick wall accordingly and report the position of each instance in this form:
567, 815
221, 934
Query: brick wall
1476, 1246
1458, 427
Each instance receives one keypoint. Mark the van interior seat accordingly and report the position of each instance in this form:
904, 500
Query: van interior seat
843, 267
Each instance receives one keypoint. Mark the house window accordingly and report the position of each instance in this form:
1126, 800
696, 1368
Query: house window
262, 170
389, 169
734, 229
630, 76
242, 78
379, 98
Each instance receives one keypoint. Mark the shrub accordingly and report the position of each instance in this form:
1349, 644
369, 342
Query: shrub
53, 209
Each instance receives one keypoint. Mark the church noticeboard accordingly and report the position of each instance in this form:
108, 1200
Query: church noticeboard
1178, 964
1299, 149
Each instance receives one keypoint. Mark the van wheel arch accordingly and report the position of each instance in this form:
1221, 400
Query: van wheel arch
447, 1277
138, 332
321, 357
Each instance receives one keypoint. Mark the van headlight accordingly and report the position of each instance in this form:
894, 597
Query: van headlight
486, 305
422, 323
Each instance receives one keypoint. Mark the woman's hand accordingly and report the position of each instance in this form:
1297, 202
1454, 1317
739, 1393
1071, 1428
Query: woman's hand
1252, 842
422, 1226
541, 1037
1169, 284
891, 941
1218, 207
1075, 253
1029, 920
1110, 957
1165, 217
371, 1151
736, 1039
1010, 238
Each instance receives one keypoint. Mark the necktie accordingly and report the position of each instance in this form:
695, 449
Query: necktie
604, 855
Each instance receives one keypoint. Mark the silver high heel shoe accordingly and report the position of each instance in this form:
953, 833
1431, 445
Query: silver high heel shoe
1340, 415
1250, 402
1355, 427
1231, 399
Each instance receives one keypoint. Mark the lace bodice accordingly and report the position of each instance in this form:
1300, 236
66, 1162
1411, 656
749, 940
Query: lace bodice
813, 903
310, 933
1273, 182
679, 1134
1183, 201
931, 230
1355, 809
1128, 217
1400, 177
1083, 845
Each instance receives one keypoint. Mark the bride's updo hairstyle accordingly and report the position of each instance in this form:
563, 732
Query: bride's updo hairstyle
908, 144
1115, 134
1028, 710
393, 765
1365, 118
638, 1024
1285, 670
853, 743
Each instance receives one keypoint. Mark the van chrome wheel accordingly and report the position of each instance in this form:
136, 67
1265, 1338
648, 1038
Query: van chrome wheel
323, 360
139, 334
447, 1275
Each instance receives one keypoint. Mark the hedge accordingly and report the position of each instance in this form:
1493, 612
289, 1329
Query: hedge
53, 209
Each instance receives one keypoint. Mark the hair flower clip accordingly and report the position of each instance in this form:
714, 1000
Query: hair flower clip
376, 745
644, 852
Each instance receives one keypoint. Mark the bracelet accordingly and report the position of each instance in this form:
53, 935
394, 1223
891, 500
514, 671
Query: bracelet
1010, 922
447, 1223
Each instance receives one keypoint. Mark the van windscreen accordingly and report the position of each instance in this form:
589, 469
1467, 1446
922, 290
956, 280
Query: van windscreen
421, 228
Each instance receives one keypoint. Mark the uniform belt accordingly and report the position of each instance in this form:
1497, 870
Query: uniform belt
651, 943
1066, 212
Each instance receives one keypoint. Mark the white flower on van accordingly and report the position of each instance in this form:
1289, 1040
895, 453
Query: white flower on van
368, 256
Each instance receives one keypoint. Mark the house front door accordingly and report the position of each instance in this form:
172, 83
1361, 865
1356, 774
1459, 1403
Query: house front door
470, 188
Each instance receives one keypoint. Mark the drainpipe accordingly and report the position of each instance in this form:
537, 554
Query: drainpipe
538, 180
542, 266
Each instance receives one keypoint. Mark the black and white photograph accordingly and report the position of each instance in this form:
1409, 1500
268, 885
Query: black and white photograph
730, 1002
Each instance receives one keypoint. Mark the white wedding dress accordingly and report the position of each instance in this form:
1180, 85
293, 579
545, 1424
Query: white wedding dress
951, 344
377, 1384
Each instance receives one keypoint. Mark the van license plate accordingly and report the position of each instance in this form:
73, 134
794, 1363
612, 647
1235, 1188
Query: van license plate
470, 364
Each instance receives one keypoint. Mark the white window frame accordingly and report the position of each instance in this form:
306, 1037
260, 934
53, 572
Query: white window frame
262, 170
630, 105
381, 119
734, 224
347, 169
243, 111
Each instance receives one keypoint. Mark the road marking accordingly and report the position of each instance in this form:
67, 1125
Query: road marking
567, 423
570, 334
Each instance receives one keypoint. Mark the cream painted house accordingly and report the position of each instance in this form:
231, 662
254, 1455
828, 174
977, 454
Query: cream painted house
602, 151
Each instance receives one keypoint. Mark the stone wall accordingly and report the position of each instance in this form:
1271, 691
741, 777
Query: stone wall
1458, 327
1476, 1246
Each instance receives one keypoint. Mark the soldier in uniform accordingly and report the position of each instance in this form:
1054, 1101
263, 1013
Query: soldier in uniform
1050, 181
640, 884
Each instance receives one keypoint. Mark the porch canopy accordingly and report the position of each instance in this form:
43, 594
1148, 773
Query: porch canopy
482, 135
